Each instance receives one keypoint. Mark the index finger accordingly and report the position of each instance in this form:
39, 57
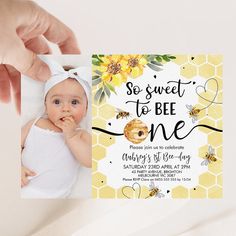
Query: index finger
62, 35
70, 118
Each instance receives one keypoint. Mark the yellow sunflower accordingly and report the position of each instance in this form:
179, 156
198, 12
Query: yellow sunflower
112, 70
134, 65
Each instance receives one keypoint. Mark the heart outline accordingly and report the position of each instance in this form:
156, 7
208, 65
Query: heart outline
133, 188
205, 90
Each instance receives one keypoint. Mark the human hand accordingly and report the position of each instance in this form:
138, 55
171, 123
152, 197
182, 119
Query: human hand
26, 26
68, 126
25, 172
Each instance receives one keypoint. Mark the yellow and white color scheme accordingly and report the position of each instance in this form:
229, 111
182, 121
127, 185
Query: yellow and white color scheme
157, 126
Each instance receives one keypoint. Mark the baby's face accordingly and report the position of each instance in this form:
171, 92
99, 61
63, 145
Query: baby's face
66, 99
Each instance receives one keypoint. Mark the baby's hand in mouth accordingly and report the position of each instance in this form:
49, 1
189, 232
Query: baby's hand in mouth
68, 125
66, 117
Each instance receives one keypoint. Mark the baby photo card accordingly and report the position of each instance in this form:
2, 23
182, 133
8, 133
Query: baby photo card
56, 130
157, 126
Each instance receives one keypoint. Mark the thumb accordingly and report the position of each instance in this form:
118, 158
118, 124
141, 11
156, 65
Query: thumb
26, 61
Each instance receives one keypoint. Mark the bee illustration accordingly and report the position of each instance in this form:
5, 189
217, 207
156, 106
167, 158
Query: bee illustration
122, 114
209, 157
193, 112
155, 191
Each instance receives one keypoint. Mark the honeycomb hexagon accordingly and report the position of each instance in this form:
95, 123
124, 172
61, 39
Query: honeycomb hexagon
180, 59
215, 111
106, 139
99, 180
198, 59
207, 179
220, 83
133, 192
94, 165
206, 71
219, 124
215, 192
94, 111
202, 113
214, 84
98, 152
128, 193
198, 192
215, 167
188, 71
106, 111
144, 192
219, 151
98, 122
205, 97
220, 97
207, 121
215, 59
107, 192
180, 192
220, 180
94, 138
215, 139
203, 150
219, 71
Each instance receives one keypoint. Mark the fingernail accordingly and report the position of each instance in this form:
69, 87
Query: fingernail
43, 73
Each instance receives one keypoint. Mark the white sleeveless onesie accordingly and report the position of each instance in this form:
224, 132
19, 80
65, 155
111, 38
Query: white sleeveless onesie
46, 153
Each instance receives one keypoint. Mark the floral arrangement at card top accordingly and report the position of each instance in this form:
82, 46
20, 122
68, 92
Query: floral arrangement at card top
110, 71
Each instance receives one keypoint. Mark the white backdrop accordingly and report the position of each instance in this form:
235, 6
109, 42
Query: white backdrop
152, 26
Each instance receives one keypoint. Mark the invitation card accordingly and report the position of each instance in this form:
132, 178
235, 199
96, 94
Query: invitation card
157, 126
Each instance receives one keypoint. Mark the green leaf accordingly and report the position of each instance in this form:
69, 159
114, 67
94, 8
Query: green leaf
96, 81
101, 55
96, 62
107, 91
111, 88
100, 60
156, 63
98, 72
96, 57
102, 97
158, 58
172, 57
150, 57
95, 77
166, 58
98, 95
156, 68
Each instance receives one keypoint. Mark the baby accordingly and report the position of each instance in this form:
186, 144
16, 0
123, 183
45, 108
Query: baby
55, 145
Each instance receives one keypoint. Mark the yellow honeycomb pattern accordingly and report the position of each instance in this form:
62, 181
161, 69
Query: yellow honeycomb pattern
211, 182
100, 141
206, 66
